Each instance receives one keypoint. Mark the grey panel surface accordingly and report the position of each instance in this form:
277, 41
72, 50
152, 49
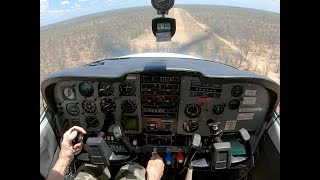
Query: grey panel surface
262, 101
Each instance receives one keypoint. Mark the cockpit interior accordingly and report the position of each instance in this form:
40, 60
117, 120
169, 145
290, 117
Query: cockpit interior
191, 112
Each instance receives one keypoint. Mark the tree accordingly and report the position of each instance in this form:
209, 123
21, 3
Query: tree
244, 46
216, 48
238, 56
266, 68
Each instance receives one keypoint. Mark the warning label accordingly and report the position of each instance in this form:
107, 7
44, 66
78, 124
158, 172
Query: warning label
230, 125
245, 116
249, 100
250, 92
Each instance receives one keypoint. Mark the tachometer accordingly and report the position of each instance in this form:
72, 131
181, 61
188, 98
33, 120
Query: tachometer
89, 106
128, 106
72, 109
86, 89
127, 88
107, 105
193, 110
105, 89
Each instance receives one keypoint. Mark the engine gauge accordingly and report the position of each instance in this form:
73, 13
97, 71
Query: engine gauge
127, 88
234, 104
86, 89
236, 91
68, 93
105, 89
218, 109
89, 106
162, 5
92, 121
107, 105
128, 106
193, 110
72, 109
190, 126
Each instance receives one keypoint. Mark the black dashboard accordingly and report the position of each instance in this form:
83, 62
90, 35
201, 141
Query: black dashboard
148, 103
163, 102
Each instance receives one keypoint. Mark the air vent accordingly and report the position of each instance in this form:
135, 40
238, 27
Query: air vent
101, 62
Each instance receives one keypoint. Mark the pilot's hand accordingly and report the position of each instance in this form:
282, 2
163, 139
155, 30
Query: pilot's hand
68, 150
155, 168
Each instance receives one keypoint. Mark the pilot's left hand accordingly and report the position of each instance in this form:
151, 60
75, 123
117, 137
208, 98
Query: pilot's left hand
68, 150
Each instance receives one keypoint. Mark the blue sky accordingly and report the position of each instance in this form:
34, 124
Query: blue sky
52, 11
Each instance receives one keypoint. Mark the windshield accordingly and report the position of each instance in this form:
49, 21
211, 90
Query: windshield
244, 34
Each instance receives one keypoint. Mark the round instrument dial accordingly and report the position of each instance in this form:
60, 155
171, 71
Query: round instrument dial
128, 106
92, 121
86, 89
68, 92
72, 109
127, 88
193, 110
190, 126
89, 106
234, 104
105, 89
236, 91
218, 109
163, 5
107, 105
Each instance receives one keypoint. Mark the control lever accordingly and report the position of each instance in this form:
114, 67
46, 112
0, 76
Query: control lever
196, 141
117, 133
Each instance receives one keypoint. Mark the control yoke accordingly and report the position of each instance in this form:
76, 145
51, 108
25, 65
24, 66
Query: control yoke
117, 133
196, 141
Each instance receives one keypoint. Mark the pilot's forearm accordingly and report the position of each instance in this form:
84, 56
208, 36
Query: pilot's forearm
59, 170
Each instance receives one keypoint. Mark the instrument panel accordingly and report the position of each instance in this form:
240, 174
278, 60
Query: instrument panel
172, 105
96, 105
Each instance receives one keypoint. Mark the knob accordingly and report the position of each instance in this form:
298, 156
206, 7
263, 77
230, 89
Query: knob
168, 158
154, 151
190, 126
134, 142
180, 157
213, 126
152, 125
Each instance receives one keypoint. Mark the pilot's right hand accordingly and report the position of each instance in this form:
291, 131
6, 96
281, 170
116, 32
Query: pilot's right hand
155, 167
